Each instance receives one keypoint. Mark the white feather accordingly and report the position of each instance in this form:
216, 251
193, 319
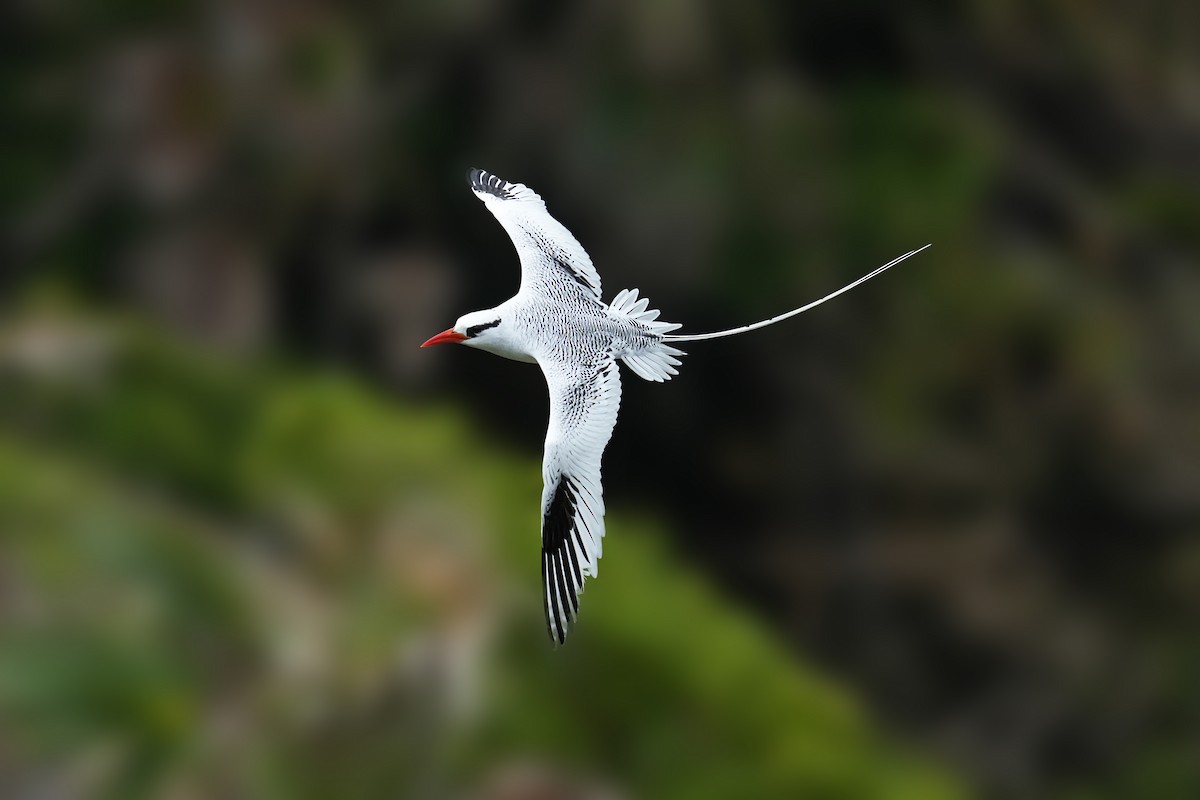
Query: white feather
558, 319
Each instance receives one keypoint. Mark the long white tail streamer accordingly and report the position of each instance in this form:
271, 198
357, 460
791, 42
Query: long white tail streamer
695, 337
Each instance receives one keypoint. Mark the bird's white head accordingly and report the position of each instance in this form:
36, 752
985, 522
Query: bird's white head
485, 330
471, 329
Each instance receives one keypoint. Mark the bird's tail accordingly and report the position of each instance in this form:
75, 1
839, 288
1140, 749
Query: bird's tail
695, 337
658, 361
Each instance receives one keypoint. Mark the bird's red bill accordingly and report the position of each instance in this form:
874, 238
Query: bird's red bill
448, 336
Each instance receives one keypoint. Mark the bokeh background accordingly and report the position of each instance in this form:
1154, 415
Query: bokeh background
936, 539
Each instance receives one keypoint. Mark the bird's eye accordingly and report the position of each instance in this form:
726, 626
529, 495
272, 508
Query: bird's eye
475, 330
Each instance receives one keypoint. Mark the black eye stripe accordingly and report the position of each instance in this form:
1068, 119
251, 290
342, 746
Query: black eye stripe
475, 330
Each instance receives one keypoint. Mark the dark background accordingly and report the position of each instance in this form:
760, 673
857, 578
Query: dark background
967, 492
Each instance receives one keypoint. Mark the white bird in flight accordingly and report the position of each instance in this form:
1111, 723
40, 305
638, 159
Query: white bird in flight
558, 320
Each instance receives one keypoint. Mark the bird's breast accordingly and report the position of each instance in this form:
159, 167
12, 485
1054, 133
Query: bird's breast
511, 349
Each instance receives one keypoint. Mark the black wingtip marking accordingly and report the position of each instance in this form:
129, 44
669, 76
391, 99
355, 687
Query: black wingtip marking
562, 578
482, 181
566, 595
573, 586
560, 516
554, 623
577, 574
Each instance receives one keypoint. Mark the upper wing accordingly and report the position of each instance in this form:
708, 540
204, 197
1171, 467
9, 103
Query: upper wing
583, 411
548, 251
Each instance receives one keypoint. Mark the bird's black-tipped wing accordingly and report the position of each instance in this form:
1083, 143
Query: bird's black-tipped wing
584, 404
549, 254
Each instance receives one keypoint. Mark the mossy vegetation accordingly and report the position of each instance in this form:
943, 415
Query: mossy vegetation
254, 578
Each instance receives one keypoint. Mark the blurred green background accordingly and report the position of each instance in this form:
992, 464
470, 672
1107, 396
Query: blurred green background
937, 539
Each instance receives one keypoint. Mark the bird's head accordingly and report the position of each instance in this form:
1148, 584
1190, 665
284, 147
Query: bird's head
472, 329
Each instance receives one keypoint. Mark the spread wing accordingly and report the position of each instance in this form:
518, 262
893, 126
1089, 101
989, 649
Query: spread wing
583, 411
549, 253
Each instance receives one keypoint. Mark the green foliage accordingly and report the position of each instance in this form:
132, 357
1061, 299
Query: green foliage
225, 574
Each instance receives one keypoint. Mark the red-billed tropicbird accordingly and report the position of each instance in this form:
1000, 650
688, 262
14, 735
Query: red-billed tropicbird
558, 320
